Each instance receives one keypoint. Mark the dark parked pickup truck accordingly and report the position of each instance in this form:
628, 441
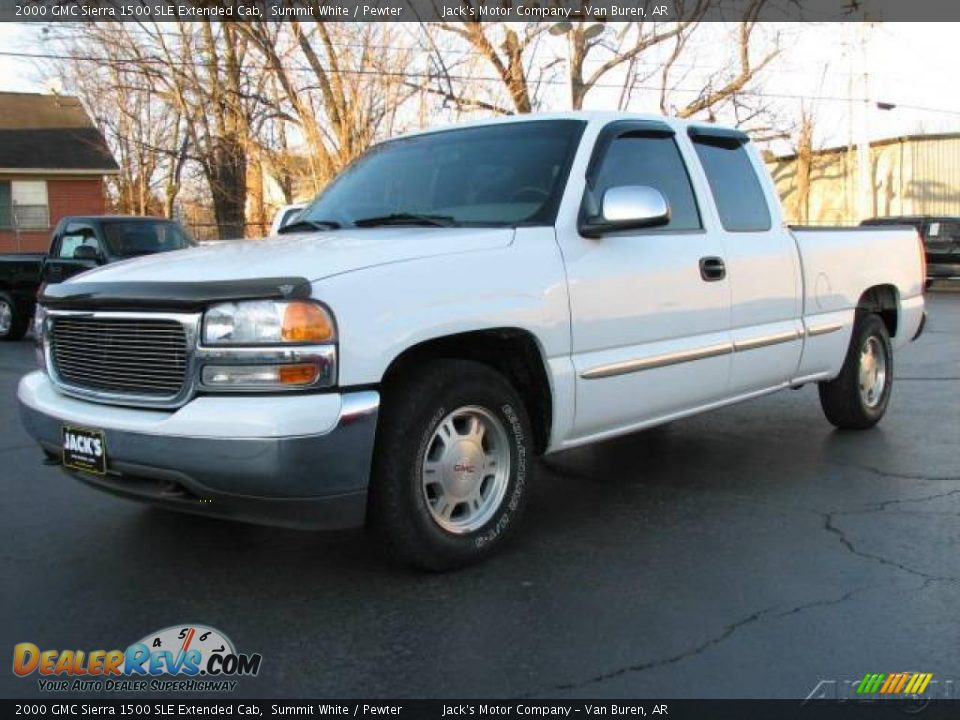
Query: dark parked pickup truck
78, 244
941, 242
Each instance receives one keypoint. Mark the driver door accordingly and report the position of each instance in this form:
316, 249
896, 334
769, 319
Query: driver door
650, 326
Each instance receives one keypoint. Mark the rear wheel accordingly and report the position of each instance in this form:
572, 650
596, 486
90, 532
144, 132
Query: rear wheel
858, 397
13, 324
451, 465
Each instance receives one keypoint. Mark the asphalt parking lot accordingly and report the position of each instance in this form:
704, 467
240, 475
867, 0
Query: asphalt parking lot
750, 552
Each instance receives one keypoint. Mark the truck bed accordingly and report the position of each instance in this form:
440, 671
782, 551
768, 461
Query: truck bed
838, 262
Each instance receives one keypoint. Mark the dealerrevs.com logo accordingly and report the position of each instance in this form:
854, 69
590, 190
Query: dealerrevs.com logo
180, 658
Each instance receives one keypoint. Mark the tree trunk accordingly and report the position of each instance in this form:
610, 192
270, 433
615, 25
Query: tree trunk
804, 167
226, 173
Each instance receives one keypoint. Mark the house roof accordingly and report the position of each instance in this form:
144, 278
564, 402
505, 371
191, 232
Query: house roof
50, 134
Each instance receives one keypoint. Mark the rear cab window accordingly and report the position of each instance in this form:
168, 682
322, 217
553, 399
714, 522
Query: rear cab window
739, 197
943, 231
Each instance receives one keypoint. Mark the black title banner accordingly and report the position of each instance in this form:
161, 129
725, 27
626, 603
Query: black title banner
483, 709
479, 10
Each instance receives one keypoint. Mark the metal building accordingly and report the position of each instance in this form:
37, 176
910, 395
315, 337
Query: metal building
911, 175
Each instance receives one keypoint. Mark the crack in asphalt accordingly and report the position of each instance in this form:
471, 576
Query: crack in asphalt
883, 505
726, 633
831, 527
897, 475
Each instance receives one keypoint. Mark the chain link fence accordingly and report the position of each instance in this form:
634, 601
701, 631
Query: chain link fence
210, 231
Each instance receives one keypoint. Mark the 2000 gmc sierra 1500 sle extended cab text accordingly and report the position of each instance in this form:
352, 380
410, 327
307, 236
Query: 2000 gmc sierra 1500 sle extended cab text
453, 304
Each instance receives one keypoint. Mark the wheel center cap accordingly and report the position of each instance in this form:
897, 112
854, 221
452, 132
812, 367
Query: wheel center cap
464, 469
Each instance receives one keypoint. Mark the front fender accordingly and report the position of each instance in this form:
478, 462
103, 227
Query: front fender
384, 310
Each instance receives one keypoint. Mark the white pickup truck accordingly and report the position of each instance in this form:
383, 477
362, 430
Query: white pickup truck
454, 304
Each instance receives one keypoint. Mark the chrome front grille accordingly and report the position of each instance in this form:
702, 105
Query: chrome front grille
119, 355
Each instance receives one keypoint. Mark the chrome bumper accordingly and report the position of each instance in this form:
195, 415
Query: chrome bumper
312, 481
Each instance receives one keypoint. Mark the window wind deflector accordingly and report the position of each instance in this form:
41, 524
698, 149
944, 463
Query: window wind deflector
724, 137
407, 219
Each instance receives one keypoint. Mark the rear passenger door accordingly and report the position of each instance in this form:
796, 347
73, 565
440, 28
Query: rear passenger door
762, 260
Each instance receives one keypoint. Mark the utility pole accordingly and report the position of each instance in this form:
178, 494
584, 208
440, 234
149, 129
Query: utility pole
865, 189
860, 104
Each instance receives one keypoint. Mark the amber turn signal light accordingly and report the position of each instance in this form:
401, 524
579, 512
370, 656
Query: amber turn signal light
306, 322
303, 374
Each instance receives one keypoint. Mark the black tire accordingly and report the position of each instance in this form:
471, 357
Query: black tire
841, 398
413, 407
18, 321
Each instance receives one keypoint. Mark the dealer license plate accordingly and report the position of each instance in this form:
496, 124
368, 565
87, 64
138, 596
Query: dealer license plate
84, 450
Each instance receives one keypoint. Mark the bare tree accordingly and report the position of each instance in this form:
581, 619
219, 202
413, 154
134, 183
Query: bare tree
341, 84
511, 55
727, 83
203, 73
620, 46
804, 164
138, 127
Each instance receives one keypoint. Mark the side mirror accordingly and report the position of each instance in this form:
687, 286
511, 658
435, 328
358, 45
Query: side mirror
627, 207
289, 218
86, 252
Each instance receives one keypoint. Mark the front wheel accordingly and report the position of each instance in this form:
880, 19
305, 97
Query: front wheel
858, 397
451, 466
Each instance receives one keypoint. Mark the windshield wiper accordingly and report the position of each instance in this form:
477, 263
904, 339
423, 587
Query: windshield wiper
302, 225
407, 219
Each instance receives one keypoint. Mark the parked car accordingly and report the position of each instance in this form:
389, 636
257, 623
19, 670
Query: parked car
78, 244
457, 303
941, 239
284, 216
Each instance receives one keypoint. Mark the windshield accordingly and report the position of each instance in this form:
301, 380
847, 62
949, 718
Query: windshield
495, 175
127, 239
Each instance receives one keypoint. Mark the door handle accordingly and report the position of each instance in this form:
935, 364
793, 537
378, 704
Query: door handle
712, 269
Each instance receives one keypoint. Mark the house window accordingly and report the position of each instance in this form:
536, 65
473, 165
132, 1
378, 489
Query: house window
23, 204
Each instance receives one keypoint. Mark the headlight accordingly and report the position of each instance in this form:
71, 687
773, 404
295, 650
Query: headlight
39, 315
267, 345
268, 322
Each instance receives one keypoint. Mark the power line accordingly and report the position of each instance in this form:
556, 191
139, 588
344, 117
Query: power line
456, 77
462, 51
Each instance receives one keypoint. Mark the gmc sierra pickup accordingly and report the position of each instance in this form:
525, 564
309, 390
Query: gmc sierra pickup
78, 244
455, 303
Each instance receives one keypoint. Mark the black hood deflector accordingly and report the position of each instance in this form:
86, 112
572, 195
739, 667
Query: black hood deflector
171, 296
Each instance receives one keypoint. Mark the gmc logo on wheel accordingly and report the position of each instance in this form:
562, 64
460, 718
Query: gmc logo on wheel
463, 468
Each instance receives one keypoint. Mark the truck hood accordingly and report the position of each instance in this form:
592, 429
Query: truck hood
310, 255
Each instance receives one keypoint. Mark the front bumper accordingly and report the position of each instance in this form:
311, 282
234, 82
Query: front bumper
298, 461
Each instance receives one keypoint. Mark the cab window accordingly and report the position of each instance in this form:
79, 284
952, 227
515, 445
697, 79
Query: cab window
654, 161
75, 235
733, 182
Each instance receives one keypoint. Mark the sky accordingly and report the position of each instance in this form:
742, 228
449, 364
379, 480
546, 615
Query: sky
910, 65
